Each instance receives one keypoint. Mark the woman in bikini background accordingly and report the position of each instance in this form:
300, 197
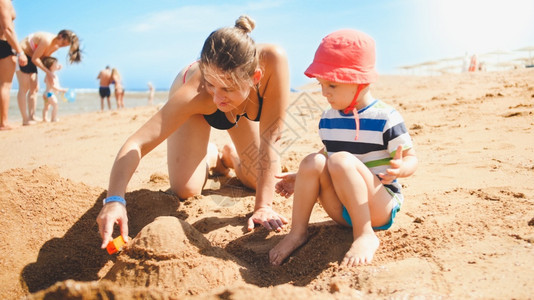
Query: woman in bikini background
36, 46
10, 52
237, 86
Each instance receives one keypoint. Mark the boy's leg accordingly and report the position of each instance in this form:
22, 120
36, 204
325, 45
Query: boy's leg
307, 187
45, 107
366, 200
53, 102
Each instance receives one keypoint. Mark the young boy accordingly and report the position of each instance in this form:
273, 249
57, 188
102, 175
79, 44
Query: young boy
367, 147
52, 85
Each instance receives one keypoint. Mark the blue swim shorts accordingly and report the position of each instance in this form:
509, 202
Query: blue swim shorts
386, 226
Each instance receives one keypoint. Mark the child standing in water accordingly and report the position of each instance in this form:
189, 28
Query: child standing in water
52, 86
367, 147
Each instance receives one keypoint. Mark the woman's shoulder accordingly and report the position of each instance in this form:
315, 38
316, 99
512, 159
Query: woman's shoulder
271, 52
42, 36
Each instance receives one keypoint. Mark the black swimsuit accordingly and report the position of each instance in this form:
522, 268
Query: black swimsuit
219, 120
5, 49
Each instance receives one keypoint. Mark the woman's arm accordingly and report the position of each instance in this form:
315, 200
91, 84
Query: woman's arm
44, 42
275, 101
183, 103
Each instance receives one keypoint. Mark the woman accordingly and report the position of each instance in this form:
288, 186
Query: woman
119, 88
8, 44
234, 85
35, 46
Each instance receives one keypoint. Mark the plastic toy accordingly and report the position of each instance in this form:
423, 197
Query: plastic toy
115, 245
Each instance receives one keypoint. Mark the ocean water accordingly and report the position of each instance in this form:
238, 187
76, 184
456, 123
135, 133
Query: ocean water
87, 100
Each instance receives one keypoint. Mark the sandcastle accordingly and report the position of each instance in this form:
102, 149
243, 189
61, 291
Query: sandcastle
172, 255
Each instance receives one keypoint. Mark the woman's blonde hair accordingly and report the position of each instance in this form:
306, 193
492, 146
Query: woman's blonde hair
75, 54
232, 50
115, 74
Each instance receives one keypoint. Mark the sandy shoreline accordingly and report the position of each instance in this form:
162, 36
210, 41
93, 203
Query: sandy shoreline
465, 231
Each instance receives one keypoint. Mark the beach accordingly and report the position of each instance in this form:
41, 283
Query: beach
85, 101
465, 229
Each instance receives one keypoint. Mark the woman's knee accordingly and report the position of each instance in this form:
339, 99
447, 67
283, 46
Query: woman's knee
188, 190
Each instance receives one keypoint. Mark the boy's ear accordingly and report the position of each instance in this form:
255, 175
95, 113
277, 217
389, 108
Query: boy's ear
257, 76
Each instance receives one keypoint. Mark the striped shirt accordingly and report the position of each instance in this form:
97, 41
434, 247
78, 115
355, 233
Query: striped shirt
382, 130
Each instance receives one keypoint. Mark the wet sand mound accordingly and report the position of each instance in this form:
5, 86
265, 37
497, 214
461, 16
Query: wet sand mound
170, 254
71, 289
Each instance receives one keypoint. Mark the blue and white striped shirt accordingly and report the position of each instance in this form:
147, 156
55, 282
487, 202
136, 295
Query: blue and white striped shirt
382, 130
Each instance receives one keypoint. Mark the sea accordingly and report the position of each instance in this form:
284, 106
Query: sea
85, 101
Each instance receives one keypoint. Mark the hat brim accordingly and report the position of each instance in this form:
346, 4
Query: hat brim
341, 75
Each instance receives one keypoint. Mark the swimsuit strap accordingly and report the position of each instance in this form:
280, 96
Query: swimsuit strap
31, 42
352, 107
186, 70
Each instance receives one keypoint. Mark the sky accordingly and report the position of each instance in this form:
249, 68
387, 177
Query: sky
153, 40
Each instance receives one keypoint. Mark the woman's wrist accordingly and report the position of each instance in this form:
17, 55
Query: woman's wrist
114, 199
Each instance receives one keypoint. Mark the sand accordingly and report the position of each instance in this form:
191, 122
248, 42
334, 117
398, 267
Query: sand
465, 230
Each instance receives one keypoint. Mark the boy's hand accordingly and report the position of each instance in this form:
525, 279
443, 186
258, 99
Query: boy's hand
286, 186
394, 171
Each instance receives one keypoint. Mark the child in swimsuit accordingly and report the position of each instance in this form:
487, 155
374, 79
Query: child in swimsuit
52, 86
366, 148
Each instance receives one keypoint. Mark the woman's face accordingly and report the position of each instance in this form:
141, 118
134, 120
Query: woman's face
63, 42
226, 93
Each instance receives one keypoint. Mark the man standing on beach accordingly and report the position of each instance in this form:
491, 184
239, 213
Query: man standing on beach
104, 91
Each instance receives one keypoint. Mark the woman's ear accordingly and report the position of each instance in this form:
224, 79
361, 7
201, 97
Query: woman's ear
257, 76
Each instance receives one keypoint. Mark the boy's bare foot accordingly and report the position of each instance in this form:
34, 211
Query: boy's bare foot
288, 245
361, 251
6, 127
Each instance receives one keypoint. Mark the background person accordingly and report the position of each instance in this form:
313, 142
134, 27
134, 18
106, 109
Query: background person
104, 91
116, 79
9, 50
35, 46
52, 87
151, 91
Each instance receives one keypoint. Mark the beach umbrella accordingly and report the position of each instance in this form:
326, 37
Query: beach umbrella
428, 65
407, 67
528, 49
497, 53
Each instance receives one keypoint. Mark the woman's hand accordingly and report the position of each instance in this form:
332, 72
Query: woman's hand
23, 60
267, 217
286, 186
111, 214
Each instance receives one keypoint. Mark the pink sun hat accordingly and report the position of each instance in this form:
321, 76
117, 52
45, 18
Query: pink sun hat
345, 56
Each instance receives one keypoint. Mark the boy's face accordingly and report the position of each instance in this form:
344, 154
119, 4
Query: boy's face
55, 66
339, 95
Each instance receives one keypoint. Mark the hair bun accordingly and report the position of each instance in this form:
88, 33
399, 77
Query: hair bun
245, 23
